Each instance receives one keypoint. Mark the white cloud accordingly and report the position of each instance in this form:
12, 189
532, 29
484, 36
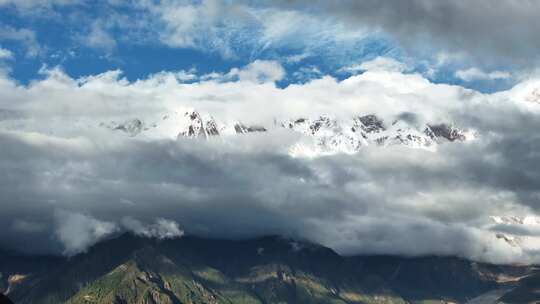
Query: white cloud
259, 71
474, 74
78, 231
385, 64
99, 38
160, 229
5, 54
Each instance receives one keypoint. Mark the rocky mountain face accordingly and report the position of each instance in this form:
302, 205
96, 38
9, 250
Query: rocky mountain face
326, 135
272, 269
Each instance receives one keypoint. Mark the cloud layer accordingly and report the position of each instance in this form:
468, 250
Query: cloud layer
506, 31
68, 183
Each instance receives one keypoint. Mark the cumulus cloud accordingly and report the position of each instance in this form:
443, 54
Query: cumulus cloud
5, 54
396, 200
78, 231
161, 229
259, 71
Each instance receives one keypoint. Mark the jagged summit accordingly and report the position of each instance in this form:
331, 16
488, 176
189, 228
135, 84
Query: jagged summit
368, 124
448, 132
199, 127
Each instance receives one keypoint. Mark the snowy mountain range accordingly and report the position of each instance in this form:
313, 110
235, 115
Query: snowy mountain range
326, 135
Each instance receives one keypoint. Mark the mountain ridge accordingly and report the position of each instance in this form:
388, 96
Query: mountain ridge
271, 269
328, 135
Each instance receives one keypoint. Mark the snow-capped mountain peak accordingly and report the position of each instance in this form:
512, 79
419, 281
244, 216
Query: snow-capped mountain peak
322, 135
199, 127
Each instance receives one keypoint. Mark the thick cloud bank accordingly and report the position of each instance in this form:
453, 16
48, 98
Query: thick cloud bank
68, 182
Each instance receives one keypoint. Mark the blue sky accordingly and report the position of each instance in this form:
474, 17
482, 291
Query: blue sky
141, 38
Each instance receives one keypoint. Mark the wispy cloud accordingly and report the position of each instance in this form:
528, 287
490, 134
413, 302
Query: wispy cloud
25, 36
99, 37
235, 29
473, 74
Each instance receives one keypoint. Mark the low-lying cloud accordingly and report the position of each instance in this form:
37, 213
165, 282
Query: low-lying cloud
65, 176
78, 231
161, 229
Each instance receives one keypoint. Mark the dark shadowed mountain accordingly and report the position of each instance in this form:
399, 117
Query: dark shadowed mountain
4, 299
271, 269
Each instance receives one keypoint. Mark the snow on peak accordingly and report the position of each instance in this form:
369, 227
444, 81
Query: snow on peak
321, 135
199, 126
331, 136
